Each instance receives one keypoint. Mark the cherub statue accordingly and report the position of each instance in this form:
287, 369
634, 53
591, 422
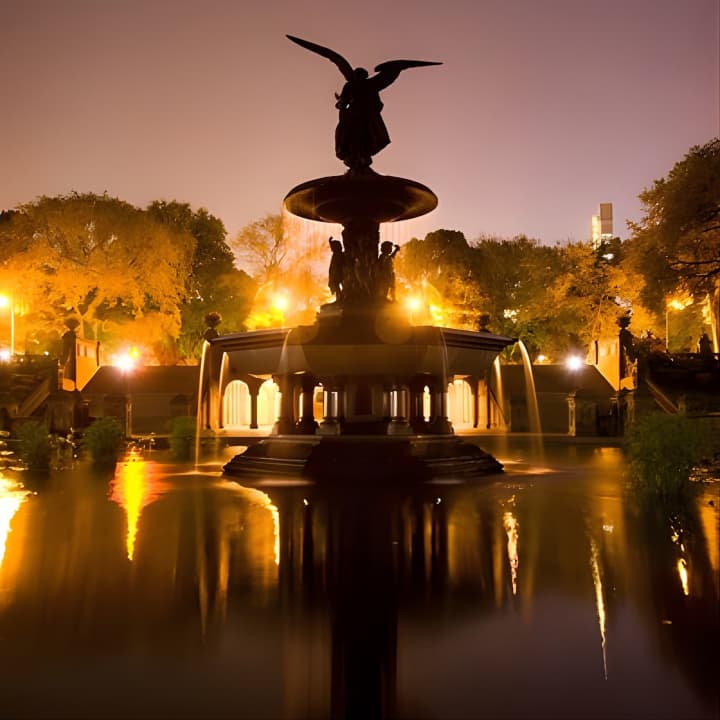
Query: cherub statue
386, 272
336, 270
361, 132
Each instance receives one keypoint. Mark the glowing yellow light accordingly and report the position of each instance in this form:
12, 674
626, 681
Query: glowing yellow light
574, 363
268, 505
413, 303
599, 599
541, 358
683, 573
12, 496
127, 360
4, 355
134, 487
280, 302
511, 525
679, 303
4, 301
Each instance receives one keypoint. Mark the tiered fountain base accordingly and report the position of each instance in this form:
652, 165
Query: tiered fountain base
384, 382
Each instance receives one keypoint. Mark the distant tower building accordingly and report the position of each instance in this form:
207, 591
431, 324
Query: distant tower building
602, 225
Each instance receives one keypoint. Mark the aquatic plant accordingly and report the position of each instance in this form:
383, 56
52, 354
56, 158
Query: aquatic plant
34, 445
182, 437
663, 449
104, 440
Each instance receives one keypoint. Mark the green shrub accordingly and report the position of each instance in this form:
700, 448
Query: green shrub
662, 450
34, 445
182, 438
104, 440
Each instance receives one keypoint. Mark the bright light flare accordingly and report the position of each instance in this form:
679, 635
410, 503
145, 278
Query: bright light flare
413, 303
4, 355
127, 360
280, 302
680, 303
574, 363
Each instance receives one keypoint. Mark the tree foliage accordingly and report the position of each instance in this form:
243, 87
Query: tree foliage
554, 298
288, 259
677, 242
214, 285
98, 259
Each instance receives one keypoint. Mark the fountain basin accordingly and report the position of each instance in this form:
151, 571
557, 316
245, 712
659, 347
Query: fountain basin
373, 377
367, 195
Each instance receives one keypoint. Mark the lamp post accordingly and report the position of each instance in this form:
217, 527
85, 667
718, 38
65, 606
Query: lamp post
674, 304
6, 302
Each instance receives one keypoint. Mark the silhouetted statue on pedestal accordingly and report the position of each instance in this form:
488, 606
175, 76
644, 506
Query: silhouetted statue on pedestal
386, 272
628, 354
361, 132
335, 272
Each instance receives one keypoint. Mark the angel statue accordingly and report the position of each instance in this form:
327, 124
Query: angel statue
361, 132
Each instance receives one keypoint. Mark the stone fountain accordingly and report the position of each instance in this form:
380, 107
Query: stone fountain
375, 369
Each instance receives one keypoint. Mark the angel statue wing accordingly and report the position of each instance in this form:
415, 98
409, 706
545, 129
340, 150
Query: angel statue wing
387, 72
343, 65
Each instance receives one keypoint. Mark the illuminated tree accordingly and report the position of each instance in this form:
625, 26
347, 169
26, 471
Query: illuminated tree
214, 284
676, 245
288, 259
440, 272
682, 219
100, 260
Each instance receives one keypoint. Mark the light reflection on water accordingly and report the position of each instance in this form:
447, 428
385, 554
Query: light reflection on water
12, 496
290, 600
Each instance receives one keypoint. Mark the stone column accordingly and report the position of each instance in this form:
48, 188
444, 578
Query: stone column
285, 424
439, 422
417, 418
333, 408
399, 424
306, 425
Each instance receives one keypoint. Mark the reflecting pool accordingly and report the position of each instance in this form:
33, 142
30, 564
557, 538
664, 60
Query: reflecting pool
165, 590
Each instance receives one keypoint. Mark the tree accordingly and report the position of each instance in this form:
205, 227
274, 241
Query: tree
214, 285
439, 272
676, 245
100, 260
262, 246
288, 258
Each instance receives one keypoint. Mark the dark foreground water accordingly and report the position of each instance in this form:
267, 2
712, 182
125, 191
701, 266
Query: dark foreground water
165, 591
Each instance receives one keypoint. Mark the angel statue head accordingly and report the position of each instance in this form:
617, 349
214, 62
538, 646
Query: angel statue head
361, 132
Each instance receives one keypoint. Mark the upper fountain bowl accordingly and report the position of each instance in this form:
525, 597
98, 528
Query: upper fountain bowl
367, 196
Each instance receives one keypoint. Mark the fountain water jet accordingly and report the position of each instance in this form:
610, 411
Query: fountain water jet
534, 423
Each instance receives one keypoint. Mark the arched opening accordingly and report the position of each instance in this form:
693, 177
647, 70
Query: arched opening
268, 403
460, 403
426, 404
236, 405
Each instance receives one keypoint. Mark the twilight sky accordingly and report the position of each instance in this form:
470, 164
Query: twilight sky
541, 110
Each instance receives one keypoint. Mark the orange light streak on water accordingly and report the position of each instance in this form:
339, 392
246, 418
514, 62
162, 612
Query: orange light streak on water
12, 496
599, 600
133, 487
511, 526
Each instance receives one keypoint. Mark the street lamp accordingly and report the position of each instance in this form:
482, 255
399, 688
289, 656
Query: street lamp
6, 302
674, 304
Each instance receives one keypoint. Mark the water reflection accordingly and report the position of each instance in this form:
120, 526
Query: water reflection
599, 599
12, 496
136, 484
307, 601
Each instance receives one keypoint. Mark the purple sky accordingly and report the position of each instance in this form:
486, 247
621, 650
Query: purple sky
542, 109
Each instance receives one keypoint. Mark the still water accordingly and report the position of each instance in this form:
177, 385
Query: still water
168, 591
